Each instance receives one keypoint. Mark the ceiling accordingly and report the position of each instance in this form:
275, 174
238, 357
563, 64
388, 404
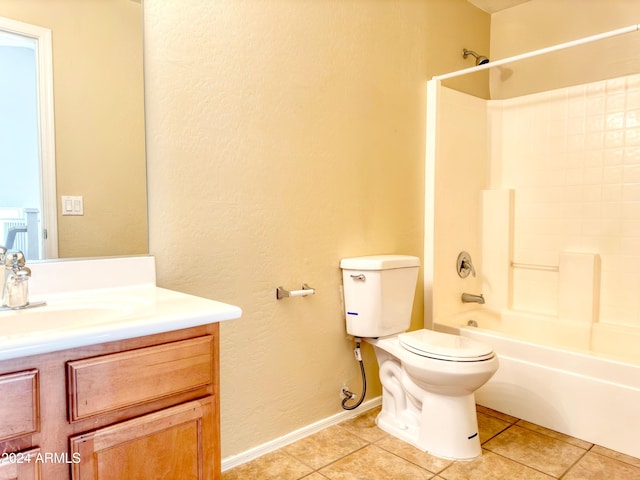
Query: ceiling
492, 6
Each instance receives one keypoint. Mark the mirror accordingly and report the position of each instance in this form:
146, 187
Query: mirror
98, 92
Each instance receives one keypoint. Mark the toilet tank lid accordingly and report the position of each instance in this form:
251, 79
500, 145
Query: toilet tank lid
379, 262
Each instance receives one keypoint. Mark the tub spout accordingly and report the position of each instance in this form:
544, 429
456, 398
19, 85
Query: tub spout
470, 298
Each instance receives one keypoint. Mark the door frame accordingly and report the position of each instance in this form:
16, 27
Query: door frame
46, 130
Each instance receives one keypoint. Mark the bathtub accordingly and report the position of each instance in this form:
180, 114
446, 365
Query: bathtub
561, 375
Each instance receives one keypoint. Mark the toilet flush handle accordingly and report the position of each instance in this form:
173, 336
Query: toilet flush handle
359, 277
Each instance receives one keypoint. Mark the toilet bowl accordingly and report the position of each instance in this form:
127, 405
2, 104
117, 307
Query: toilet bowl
428, 380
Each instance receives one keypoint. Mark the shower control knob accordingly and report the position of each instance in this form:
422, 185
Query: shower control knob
464, 265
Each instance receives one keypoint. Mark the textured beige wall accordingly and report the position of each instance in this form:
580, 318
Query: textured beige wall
543, 23
283, 136
444, 52
99, 120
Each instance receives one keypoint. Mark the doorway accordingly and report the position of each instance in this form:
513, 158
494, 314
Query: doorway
28, 217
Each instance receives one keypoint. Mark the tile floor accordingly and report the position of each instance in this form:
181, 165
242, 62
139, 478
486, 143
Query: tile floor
513, 449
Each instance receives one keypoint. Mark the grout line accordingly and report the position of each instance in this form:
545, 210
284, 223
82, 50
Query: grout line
498, 433
413, 463
622, 457
523, 464
496, 414
575, 463
439, 474
555, 438
616, 459
341, 458
236, 460
531, 466
293, 457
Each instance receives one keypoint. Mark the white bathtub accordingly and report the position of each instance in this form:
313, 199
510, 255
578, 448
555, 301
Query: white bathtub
563, 376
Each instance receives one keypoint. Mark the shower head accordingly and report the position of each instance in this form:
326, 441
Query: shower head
480, 60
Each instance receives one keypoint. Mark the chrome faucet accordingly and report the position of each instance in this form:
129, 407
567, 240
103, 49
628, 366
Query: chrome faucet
15, 286
15, 292
470, 298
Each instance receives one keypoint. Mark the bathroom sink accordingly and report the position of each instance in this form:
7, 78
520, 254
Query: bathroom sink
81, 318
91, 302
60, 316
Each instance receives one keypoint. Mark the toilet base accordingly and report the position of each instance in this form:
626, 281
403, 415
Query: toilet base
430, 403
443, 426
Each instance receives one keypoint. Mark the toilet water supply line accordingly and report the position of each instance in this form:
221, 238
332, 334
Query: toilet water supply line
350, 395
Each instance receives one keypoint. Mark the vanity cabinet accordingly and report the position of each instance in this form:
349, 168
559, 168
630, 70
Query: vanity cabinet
21, 465
142, 408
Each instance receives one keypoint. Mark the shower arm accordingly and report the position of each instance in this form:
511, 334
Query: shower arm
480, 59
466, 53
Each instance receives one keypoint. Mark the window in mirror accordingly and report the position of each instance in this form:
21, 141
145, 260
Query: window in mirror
27, 181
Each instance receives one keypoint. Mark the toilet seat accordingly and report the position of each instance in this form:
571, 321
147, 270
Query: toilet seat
445, 346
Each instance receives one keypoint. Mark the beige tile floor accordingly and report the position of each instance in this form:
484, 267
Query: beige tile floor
512, 450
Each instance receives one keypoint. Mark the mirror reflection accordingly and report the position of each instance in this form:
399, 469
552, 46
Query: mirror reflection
98, 117
20, 199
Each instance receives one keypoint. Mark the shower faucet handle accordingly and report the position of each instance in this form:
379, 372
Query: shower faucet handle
464, 265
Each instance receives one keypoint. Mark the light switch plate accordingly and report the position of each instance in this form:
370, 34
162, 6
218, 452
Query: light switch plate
72, 205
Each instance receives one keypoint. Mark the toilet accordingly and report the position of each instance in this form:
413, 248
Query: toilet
428, 378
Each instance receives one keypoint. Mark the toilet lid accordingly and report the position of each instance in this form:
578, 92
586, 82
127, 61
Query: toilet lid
444, 346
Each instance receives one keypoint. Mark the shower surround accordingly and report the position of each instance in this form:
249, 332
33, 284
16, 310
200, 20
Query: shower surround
545, 195
572, 158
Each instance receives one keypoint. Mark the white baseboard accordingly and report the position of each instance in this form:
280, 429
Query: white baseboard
255, 452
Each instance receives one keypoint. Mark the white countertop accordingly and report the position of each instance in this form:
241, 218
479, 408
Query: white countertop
76, 318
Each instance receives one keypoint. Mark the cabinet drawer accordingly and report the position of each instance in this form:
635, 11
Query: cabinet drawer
19, 414
112, 382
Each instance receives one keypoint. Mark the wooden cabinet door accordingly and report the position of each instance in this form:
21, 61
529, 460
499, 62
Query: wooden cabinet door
19, 415
175, 443
20, 466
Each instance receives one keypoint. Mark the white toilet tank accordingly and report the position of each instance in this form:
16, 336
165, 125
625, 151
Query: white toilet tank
378, 293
